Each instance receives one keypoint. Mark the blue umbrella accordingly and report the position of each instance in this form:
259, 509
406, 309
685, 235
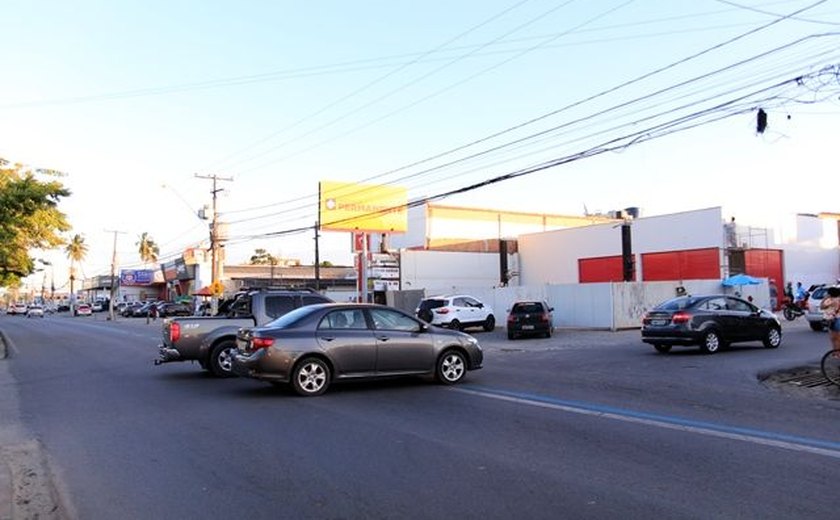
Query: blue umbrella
740, 279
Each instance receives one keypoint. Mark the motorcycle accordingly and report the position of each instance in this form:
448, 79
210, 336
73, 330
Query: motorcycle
791, 310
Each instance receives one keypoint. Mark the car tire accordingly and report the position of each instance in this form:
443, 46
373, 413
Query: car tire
311, 377
221, 359
662, 349
772, 338
511, 335
711, 342
456, 325
549, 332
816, 326
489, 323
451, 367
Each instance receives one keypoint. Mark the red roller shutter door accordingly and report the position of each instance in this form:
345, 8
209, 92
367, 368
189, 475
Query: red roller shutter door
603, 269
693, 264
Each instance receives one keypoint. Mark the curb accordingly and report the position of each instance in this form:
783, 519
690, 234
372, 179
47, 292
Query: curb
5, 471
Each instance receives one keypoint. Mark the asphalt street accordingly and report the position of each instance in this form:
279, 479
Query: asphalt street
585, 424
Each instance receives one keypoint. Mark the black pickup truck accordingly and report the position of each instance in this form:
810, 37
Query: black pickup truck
211, 340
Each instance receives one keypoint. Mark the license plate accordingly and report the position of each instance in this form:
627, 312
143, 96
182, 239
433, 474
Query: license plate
527, 327
658, 322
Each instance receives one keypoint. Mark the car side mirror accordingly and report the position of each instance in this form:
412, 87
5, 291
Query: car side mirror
480, 305
551, 309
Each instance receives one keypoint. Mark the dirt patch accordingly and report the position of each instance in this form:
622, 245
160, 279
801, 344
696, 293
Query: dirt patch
805, 381
32, 494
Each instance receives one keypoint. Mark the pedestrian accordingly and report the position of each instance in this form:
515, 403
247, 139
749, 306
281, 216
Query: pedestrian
153, 312
799, 295
830, 306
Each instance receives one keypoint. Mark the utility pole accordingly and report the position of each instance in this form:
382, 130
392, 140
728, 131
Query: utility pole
113, 290
215, 240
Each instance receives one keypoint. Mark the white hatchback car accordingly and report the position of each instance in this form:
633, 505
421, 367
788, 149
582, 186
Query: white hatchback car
35, 311
456, 312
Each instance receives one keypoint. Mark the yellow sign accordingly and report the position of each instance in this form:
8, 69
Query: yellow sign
363, 207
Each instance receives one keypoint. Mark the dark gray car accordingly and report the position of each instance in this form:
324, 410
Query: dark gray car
314, 346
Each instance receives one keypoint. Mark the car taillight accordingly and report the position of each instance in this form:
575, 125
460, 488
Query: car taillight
544, 317
681, 317
442, 310
174, 331
258, 343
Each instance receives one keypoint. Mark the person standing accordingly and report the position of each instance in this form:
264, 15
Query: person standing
830, 306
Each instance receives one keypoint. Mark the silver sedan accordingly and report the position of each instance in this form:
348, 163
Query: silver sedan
313, 346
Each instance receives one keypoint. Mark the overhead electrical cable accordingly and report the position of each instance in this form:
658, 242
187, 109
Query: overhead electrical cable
568, 107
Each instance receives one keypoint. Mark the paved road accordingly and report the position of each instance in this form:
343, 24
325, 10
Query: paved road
586, 424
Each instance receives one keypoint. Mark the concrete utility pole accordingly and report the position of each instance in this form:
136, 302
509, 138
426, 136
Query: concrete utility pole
113, 274
215, 241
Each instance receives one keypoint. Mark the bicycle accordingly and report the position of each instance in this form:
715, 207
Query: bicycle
830, 366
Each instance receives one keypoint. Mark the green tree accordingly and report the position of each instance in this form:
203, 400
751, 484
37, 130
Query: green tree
29, 218
148, 249
76, 251
263, 257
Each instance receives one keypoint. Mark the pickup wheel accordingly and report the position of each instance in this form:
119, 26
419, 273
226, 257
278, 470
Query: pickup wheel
221, 358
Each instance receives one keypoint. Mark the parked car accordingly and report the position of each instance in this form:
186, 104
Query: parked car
315, 346
143, 310
814, 315
712, 322
456, 312
17, 308
35, 311
530, 318
130, 307
83, 309
174, 309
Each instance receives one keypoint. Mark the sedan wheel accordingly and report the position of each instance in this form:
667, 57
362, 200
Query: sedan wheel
311, 377
711, 342
451, 367
455, 325
663, 349
773, 338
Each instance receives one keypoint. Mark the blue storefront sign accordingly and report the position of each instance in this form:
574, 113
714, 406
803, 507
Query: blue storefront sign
136, 277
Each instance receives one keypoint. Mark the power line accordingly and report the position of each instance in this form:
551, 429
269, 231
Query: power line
565, 108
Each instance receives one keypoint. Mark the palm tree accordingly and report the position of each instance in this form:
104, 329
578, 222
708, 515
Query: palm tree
76, 251
148, 249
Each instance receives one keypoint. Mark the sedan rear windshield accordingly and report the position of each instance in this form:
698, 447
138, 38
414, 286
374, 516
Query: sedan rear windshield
677, 304
291, 319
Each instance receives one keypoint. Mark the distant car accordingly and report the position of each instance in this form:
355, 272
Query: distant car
456, 312
35, 311
143, 310
314, 346
530, 318
96, 307
174, 309
20, 308
83, 309
813, 314
130, 307
712, 322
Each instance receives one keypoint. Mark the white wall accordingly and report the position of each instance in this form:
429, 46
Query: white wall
603, 305
439, 272
552, 257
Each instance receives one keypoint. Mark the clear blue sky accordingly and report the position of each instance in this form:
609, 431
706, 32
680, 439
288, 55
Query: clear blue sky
131, 99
